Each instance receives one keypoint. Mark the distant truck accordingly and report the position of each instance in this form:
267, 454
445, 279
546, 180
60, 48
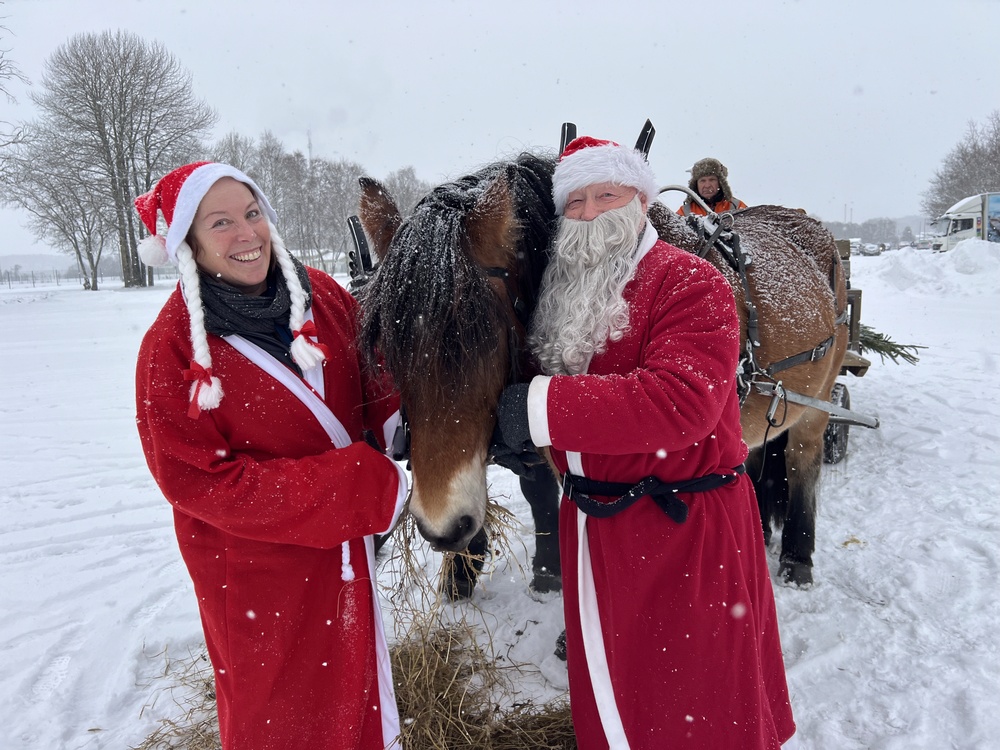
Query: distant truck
975, 217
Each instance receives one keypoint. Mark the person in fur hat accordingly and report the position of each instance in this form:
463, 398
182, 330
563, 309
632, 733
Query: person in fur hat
709, 179
252, 410
671, 630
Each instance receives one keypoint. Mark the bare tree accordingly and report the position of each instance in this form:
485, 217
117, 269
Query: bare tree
9, 133
126, 108
405, 188
238, 151
972, 167
340, 194
45, 178
269, 167
314, 198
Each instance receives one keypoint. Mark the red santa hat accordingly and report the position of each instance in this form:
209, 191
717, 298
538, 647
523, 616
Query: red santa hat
589, 160
176, 197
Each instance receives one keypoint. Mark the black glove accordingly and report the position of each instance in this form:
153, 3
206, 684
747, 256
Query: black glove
526, 464
510, 444
512, 417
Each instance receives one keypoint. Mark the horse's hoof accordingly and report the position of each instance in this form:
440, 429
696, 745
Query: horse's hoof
560, 651
457, 589
796, 574
460, 580
545, 581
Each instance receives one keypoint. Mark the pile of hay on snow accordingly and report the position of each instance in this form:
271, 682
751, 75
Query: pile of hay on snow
446, 688
197, 726
451, 693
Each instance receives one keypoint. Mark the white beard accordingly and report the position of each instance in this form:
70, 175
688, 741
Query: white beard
581, 307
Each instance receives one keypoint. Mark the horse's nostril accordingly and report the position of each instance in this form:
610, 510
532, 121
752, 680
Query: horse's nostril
465, 526
456, 539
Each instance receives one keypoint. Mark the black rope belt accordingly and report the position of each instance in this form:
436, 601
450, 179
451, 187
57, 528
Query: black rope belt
579, 490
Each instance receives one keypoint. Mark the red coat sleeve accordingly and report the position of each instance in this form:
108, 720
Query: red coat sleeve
665, 385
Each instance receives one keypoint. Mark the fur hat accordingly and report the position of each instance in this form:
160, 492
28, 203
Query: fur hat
588, 160
711, 168
176, 197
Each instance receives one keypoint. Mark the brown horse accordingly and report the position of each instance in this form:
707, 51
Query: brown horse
799, 292
447, 309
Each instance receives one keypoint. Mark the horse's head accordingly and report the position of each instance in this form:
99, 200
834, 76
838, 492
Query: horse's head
443, 315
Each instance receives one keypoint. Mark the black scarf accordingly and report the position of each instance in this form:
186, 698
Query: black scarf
263, 320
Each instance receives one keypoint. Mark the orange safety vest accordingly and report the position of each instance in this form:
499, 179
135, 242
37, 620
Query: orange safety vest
722, 206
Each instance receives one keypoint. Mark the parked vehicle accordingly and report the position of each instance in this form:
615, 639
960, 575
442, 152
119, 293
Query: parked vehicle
975, 217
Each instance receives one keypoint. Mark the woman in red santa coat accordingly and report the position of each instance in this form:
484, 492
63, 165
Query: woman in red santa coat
251, 406
671, 631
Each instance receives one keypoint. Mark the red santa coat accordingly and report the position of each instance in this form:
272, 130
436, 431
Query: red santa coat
272, 522
672, 636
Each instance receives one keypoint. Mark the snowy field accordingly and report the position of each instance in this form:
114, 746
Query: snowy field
895, 647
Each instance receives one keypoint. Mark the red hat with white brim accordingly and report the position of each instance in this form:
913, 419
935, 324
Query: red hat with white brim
587, 161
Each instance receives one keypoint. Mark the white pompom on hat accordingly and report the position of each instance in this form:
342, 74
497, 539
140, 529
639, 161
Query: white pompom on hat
177, 196
587, 161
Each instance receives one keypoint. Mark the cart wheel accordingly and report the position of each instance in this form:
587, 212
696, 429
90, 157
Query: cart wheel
835, 436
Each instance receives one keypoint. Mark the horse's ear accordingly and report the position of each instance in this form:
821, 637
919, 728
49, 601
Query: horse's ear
491, 221
379, 215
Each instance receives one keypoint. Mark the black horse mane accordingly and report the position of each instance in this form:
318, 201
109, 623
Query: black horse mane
429, 311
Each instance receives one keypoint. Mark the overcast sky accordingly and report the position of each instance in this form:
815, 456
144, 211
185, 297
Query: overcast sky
840, 107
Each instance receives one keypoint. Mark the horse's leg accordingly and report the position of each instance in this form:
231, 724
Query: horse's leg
542, 492
460, 579
804, 458
766, 469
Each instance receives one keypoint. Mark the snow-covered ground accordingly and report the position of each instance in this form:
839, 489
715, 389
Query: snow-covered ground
895, 647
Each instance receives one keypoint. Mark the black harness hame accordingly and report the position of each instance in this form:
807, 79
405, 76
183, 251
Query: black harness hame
579, 490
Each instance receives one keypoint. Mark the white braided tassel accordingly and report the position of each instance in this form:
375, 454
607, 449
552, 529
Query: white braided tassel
346, 569
207, 394
305, 353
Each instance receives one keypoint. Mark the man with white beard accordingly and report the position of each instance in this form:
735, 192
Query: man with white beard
671, 631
